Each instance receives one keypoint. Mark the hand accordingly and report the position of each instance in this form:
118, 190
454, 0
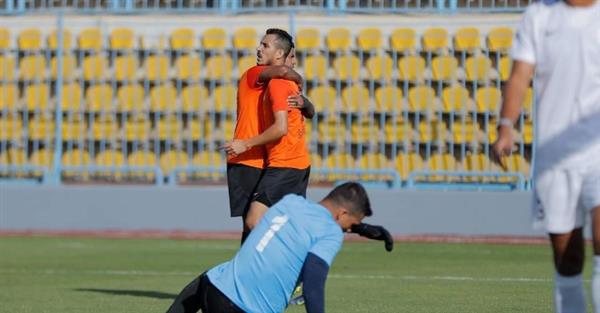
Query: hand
374, 232
235, 147
503, 146
295, 102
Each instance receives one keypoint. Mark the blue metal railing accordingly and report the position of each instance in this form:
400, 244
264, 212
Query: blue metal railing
228, 7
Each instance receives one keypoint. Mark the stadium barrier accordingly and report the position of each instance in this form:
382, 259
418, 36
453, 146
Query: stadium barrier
117, 105
229, 7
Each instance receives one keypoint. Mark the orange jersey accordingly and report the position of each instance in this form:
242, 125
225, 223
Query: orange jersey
248, 117
290, 150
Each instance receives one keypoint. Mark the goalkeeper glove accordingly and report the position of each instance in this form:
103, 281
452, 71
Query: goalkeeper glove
374, 232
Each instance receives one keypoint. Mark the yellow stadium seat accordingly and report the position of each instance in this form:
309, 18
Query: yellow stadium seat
7, 68
219, 67
41, 128
37, 97
11, 128
388, 99
105, 128
500, 39
527, 132
130, 98
478, 68
476, 162
76, 157
66, 37
99, 98
411, 68
363, 133
467, 39
455, 99
399, 131
380, 67
408, 163
145, 159
110, 158
339, 161
137, 128
227, 127
73, 128
308, 39
429, 131
356, 99
517, 163
225, 98
30, 39
163, 98
374, 161
126, 67
194, 99
172, 159
245, 38
246, 62
421, 98
338, 39
491, 130
208, 160
90, 39
369, 39
43, 158
169, 128
316, 162
182, 39
214, 38
323, 98
71, 98
443, 68
13, 156
488, 100
32, 67
196, 130
4, 38
9, 97
157, 67
330, 131
504, 67
122, 39
95, 67
435, 39
188, 68
442, 162
403, 39
528, 103
68, 67
465, 132
315, 68
347, 67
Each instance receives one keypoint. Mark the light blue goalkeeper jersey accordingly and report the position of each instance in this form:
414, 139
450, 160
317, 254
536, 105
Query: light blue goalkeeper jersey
262, 275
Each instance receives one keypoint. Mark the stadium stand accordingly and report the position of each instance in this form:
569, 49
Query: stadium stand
399, 101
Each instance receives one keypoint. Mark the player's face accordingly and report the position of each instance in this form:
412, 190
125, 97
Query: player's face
346, 219
291, 58
267, 51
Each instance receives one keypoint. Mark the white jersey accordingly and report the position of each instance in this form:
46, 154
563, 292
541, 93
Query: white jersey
563, 43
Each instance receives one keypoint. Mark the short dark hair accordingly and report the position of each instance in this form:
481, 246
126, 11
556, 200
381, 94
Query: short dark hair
352, 196
284, 40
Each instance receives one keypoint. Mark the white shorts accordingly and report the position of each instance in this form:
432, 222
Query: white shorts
564, 198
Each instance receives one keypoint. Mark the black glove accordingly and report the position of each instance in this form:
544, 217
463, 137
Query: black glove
374, 232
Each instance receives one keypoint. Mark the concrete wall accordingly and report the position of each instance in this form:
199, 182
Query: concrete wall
206, 209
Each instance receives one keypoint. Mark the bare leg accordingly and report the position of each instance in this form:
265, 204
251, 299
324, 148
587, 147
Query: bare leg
255, 213
568, 260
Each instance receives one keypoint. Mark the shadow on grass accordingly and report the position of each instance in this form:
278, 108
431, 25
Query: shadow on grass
136, 293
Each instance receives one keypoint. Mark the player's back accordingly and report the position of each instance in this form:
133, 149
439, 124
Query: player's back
247, 124
290, 150
263, 274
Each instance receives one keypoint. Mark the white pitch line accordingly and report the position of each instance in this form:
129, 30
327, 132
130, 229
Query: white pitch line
334, 276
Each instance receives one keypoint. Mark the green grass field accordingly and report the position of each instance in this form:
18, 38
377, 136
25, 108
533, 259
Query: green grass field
49, 274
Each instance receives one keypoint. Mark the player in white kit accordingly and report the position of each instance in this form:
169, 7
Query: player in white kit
558, 44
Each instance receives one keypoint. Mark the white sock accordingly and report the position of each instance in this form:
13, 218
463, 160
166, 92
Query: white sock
568, 294
596, 284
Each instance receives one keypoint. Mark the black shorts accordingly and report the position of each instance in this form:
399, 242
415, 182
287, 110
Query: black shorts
242, 181
277, 182
202, 295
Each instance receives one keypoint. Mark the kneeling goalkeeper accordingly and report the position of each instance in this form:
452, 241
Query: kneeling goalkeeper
295, 240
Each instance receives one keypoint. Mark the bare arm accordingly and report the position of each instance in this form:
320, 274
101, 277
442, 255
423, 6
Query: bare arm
279, 71
277, 130
513, 94
301, 102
